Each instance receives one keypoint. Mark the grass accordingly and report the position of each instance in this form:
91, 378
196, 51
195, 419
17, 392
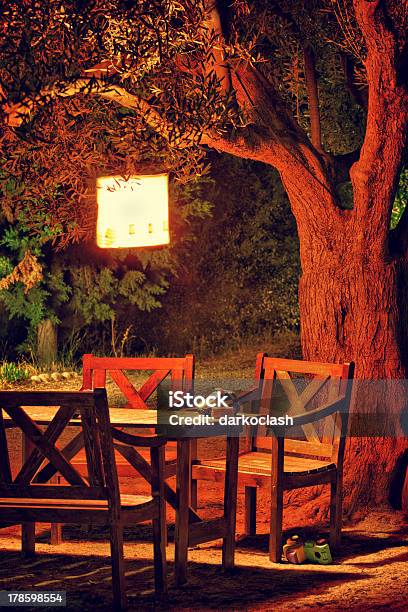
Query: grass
12, 373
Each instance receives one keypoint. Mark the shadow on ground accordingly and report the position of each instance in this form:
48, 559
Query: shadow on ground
88, 582
370, 572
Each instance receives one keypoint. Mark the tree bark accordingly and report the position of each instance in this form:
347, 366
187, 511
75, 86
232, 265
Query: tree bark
351, 293
352, 308
46, 342
313, 98
360, 302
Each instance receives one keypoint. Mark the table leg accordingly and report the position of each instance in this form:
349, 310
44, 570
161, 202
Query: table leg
56, 534
27, 529
182, 511
194, 483
230, 501
56, 528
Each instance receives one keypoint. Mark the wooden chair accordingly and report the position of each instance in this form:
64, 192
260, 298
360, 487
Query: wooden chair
179, 374
177, 371
25, 498
313, 456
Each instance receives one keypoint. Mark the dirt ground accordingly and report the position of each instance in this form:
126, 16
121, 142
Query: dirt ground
370, 572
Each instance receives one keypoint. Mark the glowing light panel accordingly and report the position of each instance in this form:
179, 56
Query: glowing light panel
132, 213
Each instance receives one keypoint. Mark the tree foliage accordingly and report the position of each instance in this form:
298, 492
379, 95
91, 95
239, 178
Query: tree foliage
182, 74
163, 57
401, 199
55, 156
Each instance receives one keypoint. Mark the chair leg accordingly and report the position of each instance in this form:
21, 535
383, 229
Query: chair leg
56, 534
27, 529
194, 482
275, 534
250, 511
230, 502
336, 511
118, 566
28, 539
159, 546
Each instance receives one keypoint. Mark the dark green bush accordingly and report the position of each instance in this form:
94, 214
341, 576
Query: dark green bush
239, 278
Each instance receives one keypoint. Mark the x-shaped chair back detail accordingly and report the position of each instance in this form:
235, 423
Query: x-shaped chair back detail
180, 370
308, 392
46, 459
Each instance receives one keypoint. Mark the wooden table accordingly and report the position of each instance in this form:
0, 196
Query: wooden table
191, 529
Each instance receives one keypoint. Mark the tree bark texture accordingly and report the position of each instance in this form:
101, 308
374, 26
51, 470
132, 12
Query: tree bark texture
353, 308
47, 342
352, 291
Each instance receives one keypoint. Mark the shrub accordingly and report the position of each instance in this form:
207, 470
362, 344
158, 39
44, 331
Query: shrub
238, 280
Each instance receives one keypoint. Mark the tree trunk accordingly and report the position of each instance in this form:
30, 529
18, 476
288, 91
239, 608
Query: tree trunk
352, 306
349, 311
350, 290
47, 342
359, 300
350, 299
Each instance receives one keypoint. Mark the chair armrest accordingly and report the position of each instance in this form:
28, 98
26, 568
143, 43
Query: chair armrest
245, 396
318, 413
145, 441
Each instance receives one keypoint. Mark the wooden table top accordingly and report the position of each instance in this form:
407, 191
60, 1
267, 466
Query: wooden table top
122, 417
130, 418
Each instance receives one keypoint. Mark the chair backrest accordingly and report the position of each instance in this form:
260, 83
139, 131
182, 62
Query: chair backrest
91, 411
295, 387
179, 369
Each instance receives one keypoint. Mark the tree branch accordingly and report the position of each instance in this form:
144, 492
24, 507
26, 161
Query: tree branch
217, 61
313, 98
17, 113
261, 102
273, 137
375, 175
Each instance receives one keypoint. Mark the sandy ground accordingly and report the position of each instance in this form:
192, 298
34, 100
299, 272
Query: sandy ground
370, 572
